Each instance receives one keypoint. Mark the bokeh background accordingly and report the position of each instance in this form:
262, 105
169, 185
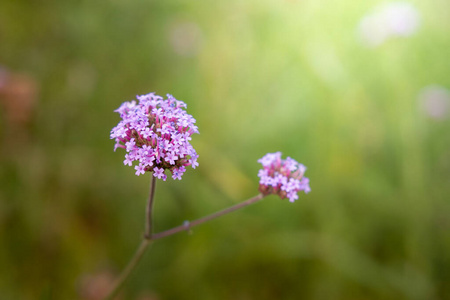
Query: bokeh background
355, 91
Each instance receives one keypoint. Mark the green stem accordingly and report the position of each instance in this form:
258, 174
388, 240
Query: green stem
148, 223
144, 244
149, 237
130, 267
189, 225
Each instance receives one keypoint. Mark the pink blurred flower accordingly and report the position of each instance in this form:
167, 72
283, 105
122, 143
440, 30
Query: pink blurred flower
435, 101
394, 19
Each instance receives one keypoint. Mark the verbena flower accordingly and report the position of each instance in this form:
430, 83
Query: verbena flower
155, 133
282, 177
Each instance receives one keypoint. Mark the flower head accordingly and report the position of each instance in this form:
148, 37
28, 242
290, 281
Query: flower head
282, 177
155, 133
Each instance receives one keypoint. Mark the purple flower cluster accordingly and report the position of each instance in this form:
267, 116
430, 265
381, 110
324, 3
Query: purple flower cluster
282, 177
156, 133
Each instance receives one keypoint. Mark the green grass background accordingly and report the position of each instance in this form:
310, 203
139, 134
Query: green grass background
271, 75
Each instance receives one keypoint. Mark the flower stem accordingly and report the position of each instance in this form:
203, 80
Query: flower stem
144, 244
149, 237
130, 267
189, 225
148, 223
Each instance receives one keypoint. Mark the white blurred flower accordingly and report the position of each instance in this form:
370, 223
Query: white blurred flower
185, 38
435, 101
394, 19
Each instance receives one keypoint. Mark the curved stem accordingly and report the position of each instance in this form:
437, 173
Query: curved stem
127, 271
144, 244
189, 225
149, 237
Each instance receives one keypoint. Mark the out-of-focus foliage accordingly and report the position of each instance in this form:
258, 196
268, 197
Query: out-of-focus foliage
259, 76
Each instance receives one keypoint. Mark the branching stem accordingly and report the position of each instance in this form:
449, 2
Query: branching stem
188, 225
149, 237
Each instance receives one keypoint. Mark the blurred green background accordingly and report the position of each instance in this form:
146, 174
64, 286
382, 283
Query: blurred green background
259, 76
